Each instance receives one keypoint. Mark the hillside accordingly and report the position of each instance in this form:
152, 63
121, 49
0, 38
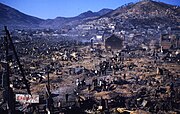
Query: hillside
143, 14
14, 18
147, 12
60, 22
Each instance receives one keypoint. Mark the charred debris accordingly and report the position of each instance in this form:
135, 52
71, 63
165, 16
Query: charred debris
53, 75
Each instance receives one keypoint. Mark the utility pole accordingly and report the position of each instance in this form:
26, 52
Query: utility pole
8, 94
48, 81
17, 59
49, 100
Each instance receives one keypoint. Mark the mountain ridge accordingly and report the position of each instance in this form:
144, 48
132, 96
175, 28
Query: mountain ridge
145, 6
135, 13
146, 13
60, 22
10, 16
14, 18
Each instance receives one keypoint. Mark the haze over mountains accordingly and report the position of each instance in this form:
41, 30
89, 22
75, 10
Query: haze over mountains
140, 13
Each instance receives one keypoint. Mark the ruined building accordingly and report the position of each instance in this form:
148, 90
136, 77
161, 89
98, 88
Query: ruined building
169, 42
114, 42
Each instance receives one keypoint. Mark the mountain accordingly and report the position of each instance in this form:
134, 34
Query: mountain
145, 8
94, 14
104, 11
60, 22
141, 14
14, 18
147, 12
87, 14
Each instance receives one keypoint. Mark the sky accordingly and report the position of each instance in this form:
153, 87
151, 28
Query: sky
50, 9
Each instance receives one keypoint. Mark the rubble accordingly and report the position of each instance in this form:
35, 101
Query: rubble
76, 77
